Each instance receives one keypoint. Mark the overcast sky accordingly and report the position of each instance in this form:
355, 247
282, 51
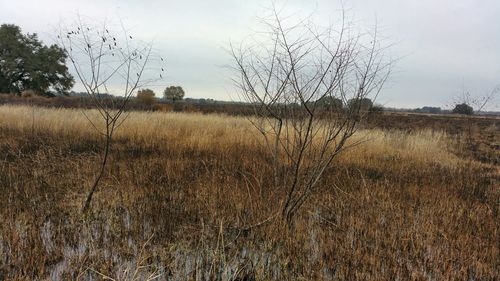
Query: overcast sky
443, 45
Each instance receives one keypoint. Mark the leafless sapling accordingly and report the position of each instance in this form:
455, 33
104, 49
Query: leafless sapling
110, 68
287, 75
467, 104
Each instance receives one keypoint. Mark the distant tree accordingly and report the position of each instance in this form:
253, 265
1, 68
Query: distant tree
429, 109
463, 108
146, 96
361, 104
465, 104
27, 64
173, 93
478, 102
376, 109
329, 103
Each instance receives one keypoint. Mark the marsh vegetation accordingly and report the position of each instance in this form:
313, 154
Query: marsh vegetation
190, 196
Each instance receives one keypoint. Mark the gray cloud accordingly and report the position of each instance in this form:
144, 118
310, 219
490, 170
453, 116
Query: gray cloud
442, 44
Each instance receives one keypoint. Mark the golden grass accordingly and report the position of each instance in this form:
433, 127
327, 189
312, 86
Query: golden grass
219, 131
181, 189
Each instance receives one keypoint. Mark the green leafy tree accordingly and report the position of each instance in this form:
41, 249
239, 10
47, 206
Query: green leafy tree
463, 108
173, 93
146, 96
27, 64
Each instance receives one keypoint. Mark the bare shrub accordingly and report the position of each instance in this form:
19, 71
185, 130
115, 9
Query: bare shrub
100, 59
286, 74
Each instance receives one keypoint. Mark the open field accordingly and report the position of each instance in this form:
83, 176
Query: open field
188, 197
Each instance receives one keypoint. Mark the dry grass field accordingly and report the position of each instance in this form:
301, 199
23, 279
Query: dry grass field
188, 196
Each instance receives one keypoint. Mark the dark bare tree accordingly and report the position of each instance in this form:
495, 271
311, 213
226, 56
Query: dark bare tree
101, 58
477, 103
467, 104
286, 75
